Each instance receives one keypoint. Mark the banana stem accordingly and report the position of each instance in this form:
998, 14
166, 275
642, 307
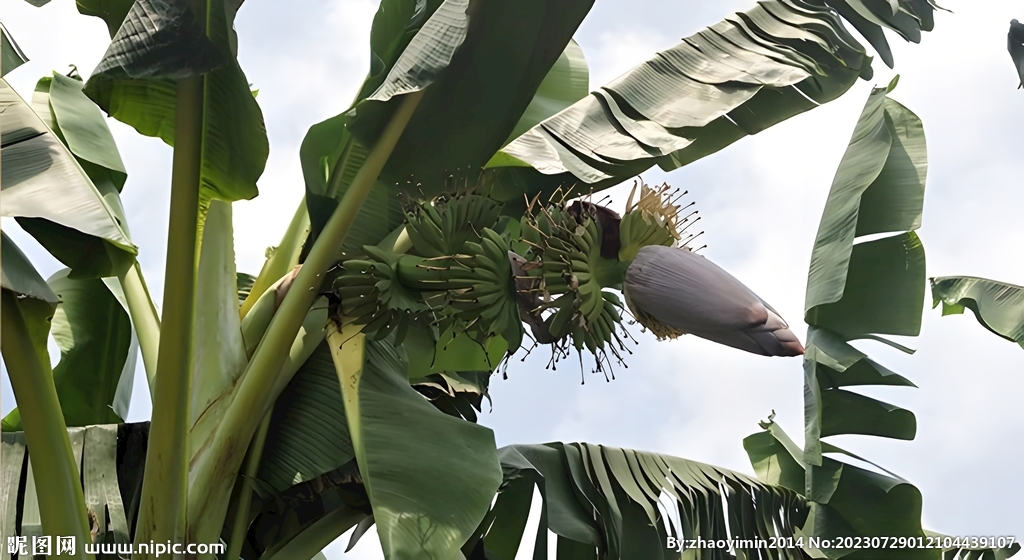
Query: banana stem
61, 500
215, 470
283, 259
145, 319
165, 484
252, 467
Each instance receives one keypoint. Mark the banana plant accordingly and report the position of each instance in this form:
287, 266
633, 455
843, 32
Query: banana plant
339, 387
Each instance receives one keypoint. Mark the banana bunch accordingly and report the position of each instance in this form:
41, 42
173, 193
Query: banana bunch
472, 291
652, 220
461, 267
440, 228
371, 293
488, 307
565, 251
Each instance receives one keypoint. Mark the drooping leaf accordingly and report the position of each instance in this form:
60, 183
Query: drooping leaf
738, 77
21, 278
850, 501
110, 460
413, 459
11, 55
999, 307
908, 18
876, 286
47, 188
93, 331
483, 66
606, 502
159, 41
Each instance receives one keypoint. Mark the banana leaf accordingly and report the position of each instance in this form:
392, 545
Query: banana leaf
48, 187
308, 433
606, 502
93, 331
155, 43
412, 458
305, 515
736, 78
483, 66
875, 287
998, 306
850, 501
11, 55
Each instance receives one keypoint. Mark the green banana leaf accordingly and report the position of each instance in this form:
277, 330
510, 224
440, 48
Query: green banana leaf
861, 290
49, 187
458, 394
848, 501
482, 76
244, 282
11, 55
869, 17
875, 287
306, 516
567, 82
158, 42
93, 331
482, 71
831, 364
309, 439
413, 458
998, 306
308, 434
21, 278
605, 502
738, 77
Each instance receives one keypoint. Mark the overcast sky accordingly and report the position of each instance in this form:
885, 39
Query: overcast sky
761, 201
